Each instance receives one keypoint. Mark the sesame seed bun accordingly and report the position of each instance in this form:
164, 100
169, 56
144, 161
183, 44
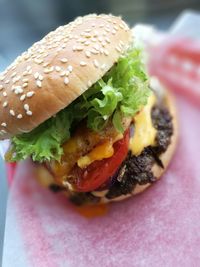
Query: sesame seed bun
58, 69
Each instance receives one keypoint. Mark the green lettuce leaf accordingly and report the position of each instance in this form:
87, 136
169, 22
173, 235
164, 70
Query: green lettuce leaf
120, 93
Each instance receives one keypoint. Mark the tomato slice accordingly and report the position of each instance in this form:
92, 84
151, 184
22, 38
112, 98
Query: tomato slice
98, 172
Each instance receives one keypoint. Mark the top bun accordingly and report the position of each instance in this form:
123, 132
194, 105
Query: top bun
58, 69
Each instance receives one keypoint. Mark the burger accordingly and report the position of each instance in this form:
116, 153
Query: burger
80, 104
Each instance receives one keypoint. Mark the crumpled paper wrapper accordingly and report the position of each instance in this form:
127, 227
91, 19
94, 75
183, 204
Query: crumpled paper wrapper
157, 228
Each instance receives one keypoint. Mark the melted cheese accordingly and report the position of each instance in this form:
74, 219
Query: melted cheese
144, 132
100, 152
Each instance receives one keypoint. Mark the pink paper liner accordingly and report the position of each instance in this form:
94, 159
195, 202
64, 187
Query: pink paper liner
10, 168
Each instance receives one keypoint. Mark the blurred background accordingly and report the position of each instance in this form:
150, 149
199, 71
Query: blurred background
22, 22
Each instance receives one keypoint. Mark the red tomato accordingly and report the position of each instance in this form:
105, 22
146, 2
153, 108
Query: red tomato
98, 172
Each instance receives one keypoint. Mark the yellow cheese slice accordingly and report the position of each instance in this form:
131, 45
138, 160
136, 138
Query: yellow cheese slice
144, 132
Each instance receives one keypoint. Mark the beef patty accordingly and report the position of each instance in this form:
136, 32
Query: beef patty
137, 169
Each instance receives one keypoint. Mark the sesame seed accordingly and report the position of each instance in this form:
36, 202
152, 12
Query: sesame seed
22, 97
26, 56
89, 83
38, 61
116, 28
13, 88
29, 113
62, 73
70, 68
20, 90
25, 80
58, 68
3, 124
79, 48
19, 116
3, 132
87, 43
36, 75
7, 81
118, 49
96, 63
87, 53
83, 63
101, 25
64, 60
40, 77
25, 85
96, 46
95, 52
94, 39
48, 70
16, 79
67, 73
30, 94
1, 87
66, 81
103, 66
2, 78
45, 64
107, 40
14, 74
26, 107
104, 44
96, 33
106, 53
4, 94
28, 68
81, 40
12, 112
88, 30
5, 104
100, 39
39, 83
24, 73
87, 35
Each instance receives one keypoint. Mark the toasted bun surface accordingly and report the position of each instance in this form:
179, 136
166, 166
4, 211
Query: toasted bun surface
58, 69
